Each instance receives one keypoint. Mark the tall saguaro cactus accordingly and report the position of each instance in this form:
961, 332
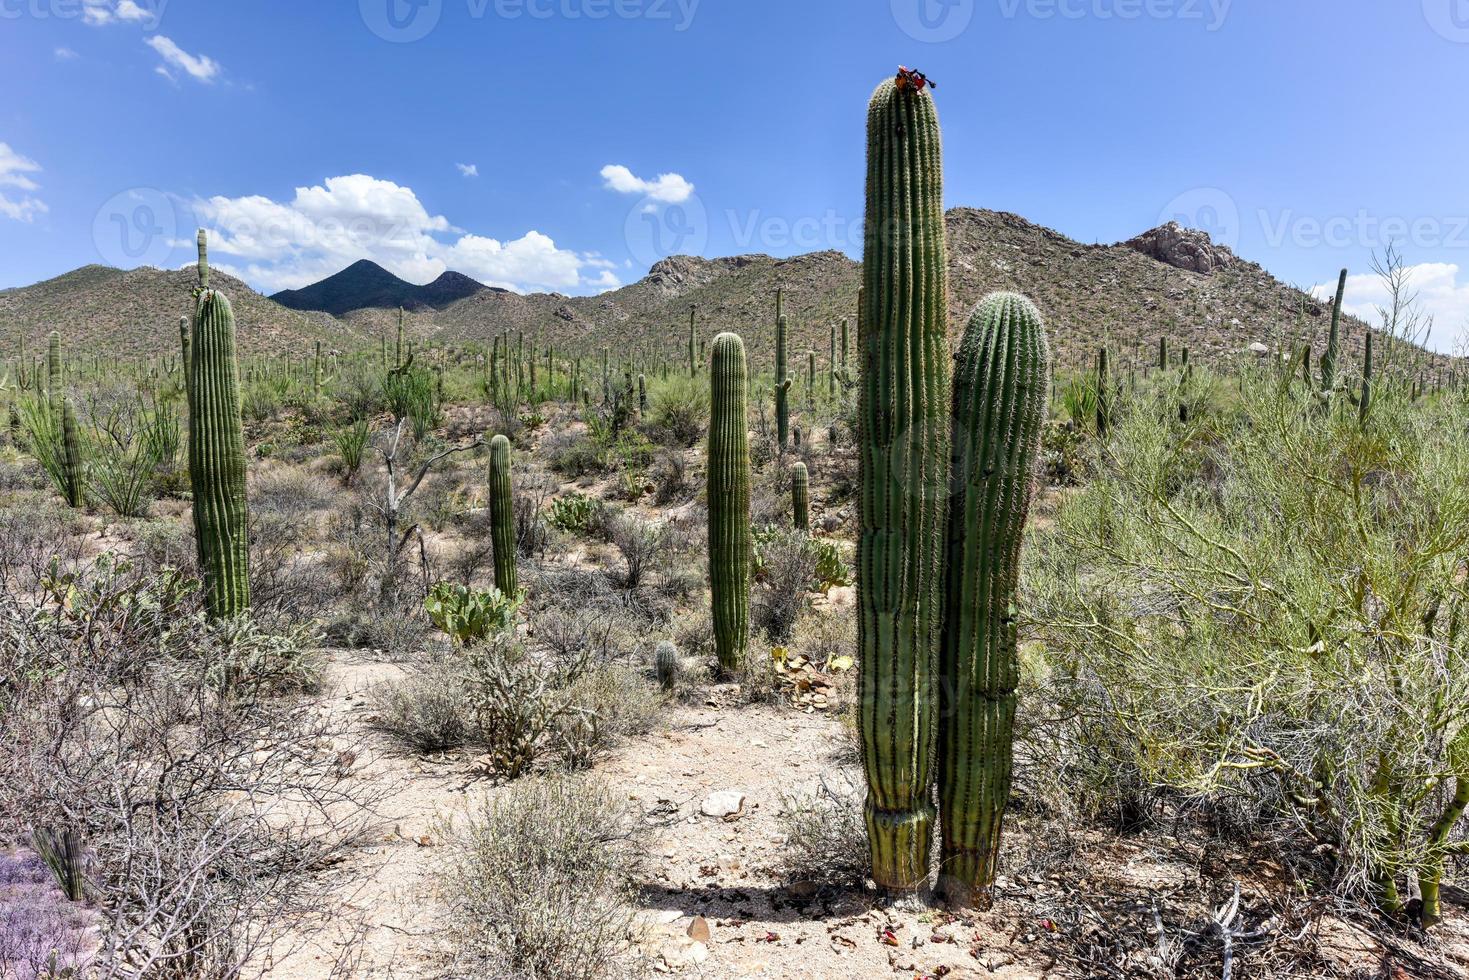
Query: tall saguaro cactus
782, 380
1000, 400
729, 500
801, 497
72, 487
217, 451
1333, 339
904, 476
1104, 392
502, 517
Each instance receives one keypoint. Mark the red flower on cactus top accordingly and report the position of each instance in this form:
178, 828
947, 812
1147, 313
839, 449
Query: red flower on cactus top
914, 79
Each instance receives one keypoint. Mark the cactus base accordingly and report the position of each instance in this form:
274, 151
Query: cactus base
901, 843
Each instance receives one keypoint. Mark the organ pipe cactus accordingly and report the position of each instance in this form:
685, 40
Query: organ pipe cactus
904, 476
729, 500
999, 404
801, 497
217, 452
502, 517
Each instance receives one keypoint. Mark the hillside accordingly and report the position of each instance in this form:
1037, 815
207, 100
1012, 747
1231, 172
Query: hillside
1090, 293
367, 285
135, 313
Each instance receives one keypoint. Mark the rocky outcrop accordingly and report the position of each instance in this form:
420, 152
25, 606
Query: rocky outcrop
1183, 248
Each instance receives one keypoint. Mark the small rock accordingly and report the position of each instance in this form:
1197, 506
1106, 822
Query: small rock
699, 930
726, 805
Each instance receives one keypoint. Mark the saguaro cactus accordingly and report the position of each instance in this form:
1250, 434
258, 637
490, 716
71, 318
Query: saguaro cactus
502, 517
72, 486
693, 323
53, 374
904, 476
729, 500
782, 381
801, 497
1364, 404
1333, 339
999, 406
217, 452
1162, 353
1104, 392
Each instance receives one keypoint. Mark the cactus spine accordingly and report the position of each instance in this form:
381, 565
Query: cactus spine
502, 517
801, 497
217, 452
1333, 339
999, 406
904, 476
729, 500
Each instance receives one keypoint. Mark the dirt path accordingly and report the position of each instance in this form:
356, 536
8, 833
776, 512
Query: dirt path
711, 868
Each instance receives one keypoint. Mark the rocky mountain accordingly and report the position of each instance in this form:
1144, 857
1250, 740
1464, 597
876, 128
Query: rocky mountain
1169, 281
367, 285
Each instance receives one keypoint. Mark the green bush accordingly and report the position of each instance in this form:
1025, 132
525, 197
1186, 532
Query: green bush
679, 410
1265, 604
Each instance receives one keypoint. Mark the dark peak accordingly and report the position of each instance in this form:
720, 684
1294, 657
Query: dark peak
366, 285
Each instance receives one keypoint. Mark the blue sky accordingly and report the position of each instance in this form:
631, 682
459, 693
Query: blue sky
567, 144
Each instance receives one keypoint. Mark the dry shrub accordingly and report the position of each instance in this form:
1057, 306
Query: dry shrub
542, 882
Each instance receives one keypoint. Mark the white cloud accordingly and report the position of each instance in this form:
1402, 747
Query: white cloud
101, 12
1441, 295
325, 228
65, 54
200, 67
13, 171
468, 169
668, 188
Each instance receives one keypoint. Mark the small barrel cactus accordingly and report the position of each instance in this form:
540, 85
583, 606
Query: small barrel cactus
666, 665
502, 517
801, 497
1000, 400
729, 500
